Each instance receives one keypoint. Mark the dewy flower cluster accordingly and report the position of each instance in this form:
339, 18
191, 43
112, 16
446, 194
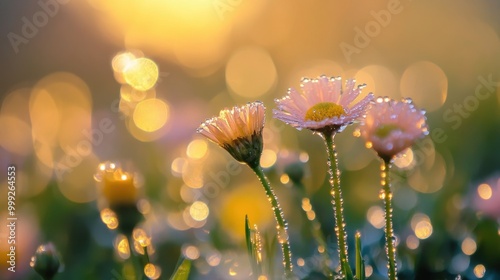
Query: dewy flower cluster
326, 108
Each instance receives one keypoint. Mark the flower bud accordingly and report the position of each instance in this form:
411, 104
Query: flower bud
46, 261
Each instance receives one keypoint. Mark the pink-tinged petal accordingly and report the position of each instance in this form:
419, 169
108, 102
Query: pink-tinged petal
408, 124
299, 101
324, 88
238, 131
292, 108
361, 105
346, 99
207, 134
234, 123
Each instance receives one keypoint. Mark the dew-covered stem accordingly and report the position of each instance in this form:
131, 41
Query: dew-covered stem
386, 195
282, 226
337, 202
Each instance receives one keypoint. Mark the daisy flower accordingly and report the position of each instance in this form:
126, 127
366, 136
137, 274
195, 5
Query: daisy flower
117, 186
324, 107
238, 131
392, 126
322, 104
119, 189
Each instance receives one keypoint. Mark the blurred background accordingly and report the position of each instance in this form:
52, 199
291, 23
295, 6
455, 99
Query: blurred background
130, 81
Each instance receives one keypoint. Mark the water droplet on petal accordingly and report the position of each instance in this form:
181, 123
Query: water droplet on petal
407, 100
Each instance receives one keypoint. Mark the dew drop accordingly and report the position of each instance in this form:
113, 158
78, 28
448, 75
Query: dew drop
282, 235
408, 100
356, 132
381, 194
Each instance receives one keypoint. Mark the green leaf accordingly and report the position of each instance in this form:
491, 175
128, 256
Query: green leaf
360, 264
248, 236
182, 270
348, 273
251, 249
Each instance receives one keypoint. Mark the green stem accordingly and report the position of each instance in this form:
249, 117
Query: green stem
282, 226
386, 195
138, 267
146, 254
337, 204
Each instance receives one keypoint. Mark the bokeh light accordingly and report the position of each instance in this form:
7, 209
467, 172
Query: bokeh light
268, 158
152, 271
121, 61
375, 216
199, 210
122, 246
141, 73
429, 176
18, 140
250, 72
130, 97
197, 149
380, 80
151, 114
354, 158
178, 165
192, 174
236, 205
405, 159
479, 271
412, 242
469, 246
426, 83
423, 229
484, 191
109, 218
191, 252
421, 226
141, 237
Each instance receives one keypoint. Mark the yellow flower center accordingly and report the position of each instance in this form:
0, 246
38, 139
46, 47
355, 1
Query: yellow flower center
386, 129
324, 110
